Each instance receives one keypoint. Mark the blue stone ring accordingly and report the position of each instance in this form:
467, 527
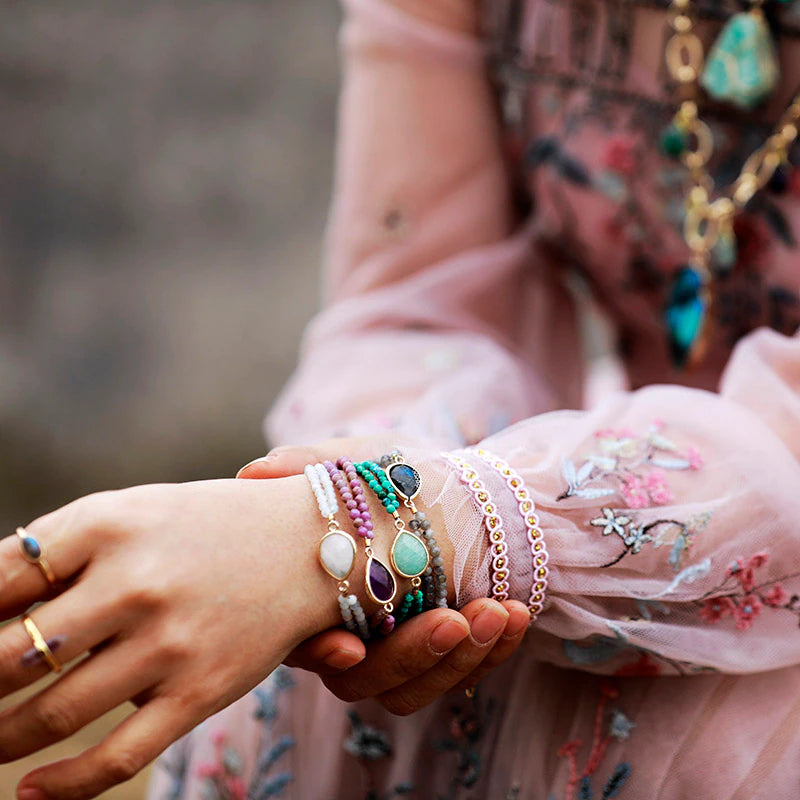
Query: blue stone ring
33, 552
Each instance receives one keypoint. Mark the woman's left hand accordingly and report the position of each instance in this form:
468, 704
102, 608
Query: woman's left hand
185, 597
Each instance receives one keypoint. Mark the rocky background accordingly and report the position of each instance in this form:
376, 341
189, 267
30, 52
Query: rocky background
164, 176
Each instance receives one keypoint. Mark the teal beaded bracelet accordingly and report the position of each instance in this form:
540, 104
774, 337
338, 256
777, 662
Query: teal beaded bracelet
409, 554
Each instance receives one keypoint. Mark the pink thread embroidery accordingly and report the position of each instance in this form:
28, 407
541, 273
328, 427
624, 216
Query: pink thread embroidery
632, 466
619, 728
743, 598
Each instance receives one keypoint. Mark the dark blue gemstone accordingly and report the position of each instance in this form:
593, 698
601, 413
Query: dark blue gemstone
685, 314
405, 479
31, 547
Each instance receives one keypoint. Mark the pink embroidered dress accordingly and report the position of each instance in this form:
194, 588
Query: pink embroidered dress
493, 181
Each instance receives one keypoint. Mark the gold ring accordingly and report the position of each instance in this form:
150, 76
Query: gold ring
33, 553
40, 644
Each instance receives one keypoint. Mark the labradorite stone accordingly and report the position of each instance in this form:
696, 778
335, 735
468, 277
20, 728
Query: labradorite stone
337, 554
409, 554
685, 314
31, 548
405, 479
381, 582
742, 67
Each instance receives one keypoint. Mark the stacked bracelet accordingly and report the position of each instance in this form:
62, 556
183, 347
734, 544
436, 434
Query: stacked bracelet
492, 520
406, 482
379, 581
337, 550
409, 555
535, 539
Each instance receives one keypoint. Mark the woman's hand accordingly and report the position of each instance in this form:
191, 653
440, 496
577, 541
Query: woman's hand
186, 597
427, 655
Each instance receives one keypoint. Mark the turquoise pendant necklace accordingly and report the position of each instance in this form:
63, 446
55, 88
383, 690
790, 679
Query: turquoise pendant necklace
742, 65
708, 223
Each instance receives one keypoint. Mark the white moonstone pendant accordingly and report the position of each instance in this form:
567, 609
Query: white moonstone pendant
337, 554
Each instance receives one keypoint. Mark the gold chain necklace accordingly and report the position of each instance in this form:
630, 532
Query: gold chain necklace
707, 223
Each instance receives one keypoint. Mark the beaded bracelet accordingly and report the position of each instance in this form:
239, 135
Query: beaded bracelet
493, 521
407, 484
527, 510
408, 554
337, 550
378, 579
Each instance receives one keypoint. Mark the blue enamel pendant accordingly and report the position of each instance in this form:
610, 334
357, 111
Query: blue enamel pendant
685, 315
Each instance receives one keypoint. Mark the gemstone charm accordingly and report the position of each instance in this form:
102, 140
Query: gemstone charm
409, 555
685, 315
405, 480
337, 554
380, 583
742, 67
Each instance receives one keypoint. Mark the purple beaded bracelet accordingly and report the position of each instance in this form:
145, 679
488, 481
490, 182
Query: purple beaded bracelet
378, 579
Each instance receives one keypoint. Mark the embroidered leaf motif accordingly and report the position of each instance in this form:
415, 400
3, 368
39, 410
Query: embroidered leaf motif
568, 471
688, 575
699, 522
661, 442
593, 494
584, 472
572, 170
616, 781
670, 463
676, 553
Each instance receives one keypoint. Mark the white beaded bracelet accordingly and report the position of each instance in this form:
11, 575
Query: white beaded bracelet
337, 550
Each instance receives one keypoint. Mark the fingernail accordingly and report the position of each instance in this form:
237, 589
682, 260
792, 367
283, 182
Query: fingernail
31, 793
446, 636
262, 460
488, 624
516, 625
342, 659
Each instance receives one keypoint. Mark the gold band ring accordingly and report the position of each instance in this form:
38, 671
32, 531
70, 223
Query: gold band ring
40, 643
33, 553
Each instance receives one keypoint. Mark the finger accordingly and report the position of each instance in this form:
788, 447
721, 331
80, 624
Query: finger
291, 460
97, 685
63, 544
71, 624
518, 621
413, 648
487, 620
327, 653
133, 744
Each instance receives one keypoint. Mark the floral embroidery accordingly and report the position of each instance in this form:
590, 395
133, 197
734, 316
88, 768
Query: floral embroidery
631, 466
222, 777
369, 744
740, 596
635, 534
619, 728
467, 727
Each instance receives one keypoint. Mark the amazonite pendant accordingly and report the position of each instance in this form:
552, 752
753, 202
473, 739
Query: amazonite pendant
742, 67
409, 554
685, 315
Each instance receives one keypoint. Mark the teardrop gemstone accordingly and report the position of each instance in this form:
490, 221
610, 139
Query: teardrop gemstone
409, 555
337, 554
405, 480
380, 583
685, 314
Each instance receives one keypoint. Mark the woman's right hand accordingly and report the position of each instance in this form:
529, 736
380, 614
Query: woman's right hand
427, 655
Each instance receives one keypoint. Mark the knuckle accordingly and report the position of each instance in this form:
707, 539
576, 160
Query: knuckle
344, 687
122, 766
55, 719
400, 703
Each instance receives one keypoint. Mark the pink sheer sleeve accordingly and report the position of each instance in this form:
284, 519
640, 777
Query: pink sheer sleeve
668, 513
430, 281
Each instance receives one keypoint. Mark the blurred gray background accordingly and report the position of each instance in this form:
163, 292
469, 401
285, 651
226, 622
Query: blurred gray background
164, 178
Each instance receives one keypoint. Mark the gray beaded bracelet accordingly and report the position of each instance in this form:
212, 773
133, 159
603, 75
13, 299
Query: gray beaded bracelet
407, 483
